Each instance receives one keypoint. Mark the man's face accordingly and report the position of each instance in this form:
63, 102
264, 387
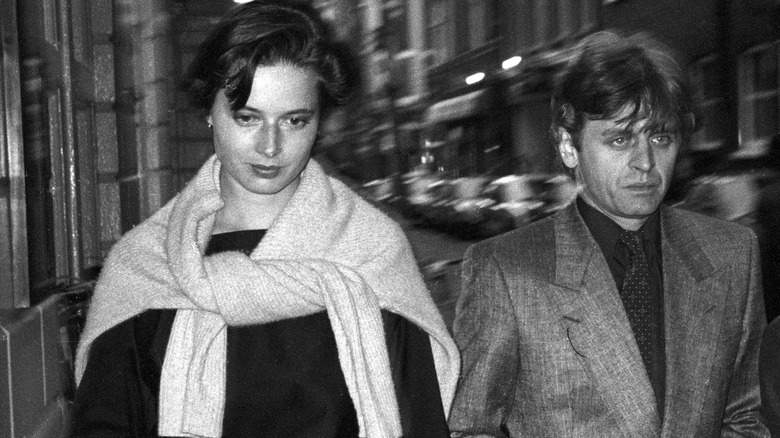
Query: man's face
625, 171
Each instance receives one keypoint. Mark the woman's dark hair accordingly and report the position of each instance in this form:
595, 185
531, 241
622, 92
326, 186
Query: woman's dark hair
266, 33
608, 73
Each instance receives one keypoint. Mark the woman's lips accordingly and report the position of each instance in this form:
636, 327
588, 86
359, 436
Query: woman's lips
265, 171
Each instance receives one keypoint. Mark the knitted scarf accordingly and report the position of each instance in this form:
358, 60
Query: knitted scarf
328, 249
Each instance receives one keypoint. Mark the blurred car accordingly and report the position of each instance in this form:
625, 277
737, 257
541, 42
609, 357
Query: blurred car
479, 206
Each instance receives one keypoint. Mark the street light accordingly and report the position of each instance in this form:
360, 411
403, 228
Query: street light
511, 62
476, 77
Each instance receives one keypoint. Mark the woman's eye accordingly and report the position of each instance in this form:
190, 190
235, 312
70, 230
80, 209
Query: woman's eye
245, 119
298, 122
619, 141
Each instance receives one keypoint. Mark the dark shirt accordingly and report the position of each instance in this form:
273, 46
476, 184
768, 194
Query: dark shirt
283, 378
606, 233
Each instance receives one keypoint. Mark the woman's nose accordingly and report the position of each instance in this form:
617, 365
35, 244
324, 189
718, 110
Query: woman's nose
269, 142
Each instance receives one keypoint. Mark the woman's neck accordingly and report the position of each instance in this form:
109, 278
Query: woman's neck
244, 210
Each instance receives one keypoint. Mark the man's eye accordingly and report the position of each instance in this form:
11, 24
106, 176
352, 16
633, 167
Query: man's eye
662, 140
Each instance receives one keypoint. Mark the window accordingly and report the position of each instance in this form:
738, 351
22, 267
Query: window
478, 22
396, 25
759, 97
440, 32
709, 83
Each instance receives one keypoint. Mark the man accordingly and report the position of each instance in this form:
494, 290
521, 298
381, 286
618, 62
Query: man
617, 316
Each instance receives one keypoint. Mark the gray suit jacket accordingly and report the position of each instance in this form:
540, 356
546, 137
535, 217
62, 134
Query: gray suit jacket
548, 350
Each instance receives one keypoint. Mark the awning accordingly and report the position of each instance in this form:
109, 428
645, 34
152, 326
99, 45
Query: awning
460, 107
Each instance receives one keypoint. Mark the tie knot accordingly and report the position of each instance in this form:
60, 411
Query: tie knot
633, 240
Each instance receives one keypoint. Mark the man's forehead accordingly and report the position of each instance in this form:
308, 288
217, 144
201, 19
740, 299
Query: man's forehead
645, 119
638, 124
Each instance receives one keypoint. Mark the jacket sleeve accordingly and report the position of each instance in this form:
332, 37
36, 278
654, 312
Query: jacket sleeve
769, 373
486, 332
742, 415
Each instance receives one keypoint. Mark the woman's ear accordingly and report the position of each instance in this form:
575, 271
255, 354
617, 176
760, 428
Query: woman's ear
569, 153
208, 121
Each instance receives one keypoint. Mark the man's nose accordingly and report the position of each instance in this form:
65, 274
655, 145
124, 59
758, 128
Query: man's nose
644, 156
269, 141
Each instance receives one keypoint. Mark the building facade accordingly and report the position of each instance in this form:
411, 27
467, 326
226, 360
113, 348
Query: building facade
97, 135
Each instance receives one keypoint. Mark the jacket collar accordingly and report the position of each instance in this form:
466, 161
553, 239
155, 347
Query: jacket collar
593, 317
575, 246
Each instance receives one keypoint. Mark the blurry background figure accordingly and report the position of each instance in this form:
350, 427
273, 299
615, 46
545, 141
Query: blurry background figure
768, 228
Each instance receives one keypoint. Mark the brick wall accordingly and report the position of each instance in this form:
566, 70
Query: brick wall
106, 158
145, 77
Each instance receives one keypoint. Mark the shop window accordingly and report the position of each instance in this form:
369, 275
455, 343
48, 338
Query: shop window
759, 97
709, 82
440, 22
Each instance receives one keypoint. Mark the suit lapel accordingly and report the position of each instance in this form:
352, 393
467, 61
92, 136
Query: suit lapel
693, 305
595, 321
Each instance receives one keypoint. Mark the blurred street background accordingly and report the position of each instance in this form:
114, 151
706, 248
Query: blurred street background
448, 133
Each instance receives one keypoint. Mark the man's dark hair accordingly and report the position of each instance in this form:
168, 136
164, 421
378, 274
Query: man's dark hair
608, 73
266, 33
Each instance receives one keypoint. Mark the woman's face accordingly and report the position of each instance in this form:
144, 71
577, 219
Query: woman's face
264, 146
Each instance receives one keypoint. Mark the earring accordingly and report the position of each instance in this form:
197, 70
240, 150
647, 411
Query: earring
209, 125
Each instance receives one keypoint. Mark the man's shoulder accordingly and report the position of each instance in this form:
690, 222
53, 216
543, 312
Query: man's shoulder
706, 228
723, 243
529, 242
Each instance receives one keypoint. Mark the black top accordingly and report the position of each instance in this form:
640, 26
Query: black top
606, 234
283, 378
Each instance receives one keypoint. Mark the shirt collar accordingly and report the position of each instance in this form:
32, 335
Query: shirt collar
606, 232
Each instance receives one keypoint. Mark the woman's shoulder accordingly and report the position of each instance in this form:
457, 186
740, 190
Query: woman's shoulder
150, 233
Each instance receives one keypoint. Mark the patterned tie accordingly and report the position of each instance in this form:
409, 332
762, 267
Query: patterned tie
636, 294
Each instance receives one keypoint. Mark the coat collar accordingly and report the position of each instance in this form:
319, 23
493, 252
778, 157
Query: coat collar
694, 297
598, 329
575, 246
592, 314
679, 235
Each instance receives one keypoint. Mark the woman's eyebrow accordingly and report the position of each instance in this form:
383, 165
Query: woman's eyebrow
307, 111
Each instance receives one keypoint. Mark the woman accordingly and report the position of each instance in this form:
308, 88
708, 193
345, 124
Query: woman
265, 299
